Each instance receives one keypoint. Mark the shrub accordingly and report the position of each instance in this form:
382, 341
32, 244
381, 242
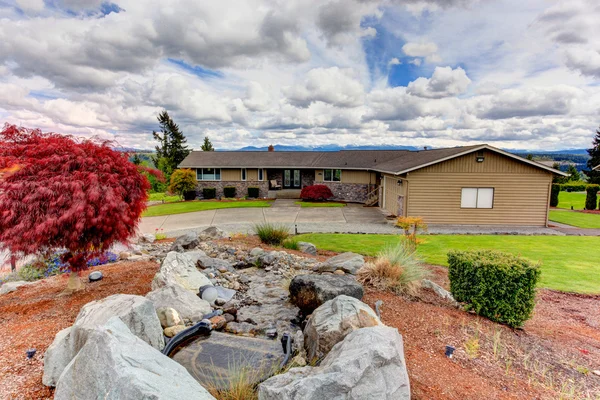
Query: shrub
591, 198
209, 193
496, 285
316, 193
291, 244
573, 187
253, 192
229, 191
189, 195
271, 233
30, 272
183, 181
396, 268
554, 194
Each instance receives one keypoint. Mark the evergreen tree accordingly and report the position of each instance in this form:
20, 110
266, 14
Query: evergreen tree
574, 175
558, 178
594, 152
136, 159
171, 149
207, 145
530, 157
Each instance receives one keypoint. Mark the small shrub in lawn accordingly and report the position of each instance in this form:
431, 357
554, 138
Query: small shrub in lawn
253, 192
316, 193
291, 244
209, 193
591, 198
396, 268
554, 195
271, 233
496, 285
229, 191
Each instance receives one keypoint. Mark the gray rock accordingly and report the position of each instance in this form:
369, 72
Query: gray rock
115, 364
307, 248
180, 269
168, 317
212, 233
368, 364
440, 291
9, 287
216, 263
310, 291
95, 276
330, 323
187, 304
257, 251
225, 294
136, 312
347, 262
185, 242
269, 258
147, 238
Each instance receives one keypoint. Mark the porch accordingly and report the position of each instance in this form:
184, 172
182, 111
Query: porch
284, 194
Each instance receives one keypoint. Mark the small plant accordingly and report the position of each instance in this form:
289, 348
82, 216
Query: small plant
209, 193
229, 192
271, 233
411, 226
291, 244
472, 346
104, 258
396, 268
253, 192
497, 343
159, 234
30, 273
183, 181
316, 193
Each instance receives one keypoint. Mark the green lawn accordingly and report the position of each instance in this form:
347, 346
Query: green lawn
569, 263
320, 204
163, 197
578, 219
574, 199
191, 206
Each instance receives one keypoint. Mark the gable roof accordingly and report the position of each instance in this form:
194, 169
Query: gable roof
395, 162
596, 168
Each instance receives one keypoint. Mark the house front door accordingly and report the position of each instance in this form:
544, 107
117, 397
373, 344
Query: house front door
291, 179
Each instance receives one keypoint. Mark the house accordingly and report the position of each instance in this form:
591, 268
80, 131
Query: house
470, 185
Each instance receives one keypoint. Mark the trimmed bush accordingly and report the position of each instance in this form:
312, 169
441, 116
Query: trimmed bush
271, 233
573, 187
591, 198
229, 191
496, 285
316, 193
554, 195
189, 195
253, 192
209, 193
182, 182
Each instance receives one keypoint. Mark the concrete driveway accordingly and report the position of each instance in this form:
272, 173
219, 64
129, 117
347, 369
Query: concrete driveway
282, 211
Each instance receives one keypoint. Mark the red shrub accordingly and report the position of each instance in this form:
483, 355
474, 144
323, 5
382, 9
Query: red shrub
59, 192
316, 193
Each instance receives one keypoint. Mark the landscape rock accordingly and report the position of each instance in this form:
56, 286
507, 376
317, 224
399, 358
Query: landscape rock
241, 328
187, 304
95, 276
146, 238
257, 251
215, 263
350, 263
180, 269
114, 364
9, 287
330, 323
212, 233
218, 322
168, 317
368, 364
174, 330
307, 248
137, 312
440, 291
185, 242
310, 291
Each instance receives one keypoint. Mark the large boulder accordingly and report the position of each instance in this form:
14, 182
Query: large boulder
187, 304
330, 323
212, 233
136, 312
180, 269
307, 248
368, 364
185, 242
350, 263
115, 364
9, 287
310, 291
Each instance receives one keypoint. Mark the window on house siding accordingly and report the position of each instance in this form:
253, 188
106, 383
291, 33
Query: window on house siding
260, 174
477, 198
208, 174
243, 174
332, 175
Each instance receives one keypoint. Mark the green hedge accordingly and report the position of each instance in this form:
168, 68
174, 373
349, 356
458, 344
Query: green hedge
573, 187
229, 191
591, 198
496, 285
253, 192
554, 195
209, 193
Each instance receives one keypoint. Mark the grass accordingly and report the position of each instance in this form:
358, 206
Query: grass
274, 234
568, 262
578, 219
571, 199
191, 206
166, 198
320, 204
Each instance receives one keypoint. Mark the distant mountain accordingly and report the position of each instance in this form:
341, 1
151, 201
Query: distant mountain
329, 147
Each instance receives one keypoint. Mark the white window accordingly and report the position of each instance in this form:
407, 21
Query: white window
332, 175
477, 198
261, 176
208, 174
243, 174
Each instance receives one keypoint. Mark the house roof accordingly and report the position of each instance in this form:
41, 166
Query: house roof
389, 161
596, 168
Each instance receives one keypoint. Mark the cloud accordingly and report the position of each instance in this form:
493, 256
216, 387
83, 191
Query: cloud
31, 5
445, 82
427, 50
339, 20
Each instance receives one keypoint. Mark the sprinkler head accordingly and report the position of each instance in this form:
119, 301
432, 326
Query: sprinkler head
449, 351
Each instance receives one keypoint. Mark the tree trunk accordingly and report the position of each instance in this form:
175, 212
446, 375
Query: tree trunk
74, 284
13, 263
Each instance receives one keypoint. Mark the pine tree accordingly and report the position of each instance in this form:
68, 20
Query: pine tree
574, 175
207, 145
136, 159
171, 149
594, 152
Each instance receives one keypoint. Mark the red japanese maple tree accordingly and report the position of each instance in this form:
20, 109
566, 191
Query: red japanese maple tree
58, 192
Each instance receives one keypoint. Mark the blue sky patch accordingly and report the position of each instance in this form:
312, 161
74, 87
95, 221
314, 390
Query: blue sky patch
196, 69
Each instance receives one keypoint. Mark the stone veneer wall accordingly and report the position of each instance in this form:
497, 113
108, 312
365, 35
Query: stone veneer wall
241, 187
353, 192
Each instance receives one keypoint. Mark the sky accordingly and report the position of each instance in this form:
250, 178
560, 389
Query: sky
511, 73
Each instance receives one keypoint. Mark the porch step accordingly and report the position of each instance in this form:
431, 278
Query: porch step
284, 194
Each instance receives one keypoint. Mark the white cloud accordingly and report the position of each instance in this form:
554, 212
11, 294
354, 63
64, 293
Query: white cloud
31, 5
420, 49
445, 82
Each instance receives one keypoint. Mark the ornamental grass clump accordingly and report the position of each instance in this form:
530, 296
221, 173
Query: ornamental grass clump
496, 285
396, 268
271, 233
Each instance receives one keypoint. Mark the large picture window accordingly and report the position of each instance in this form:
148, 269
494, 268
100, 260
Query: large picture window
477, 198
332, 175
208, 174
